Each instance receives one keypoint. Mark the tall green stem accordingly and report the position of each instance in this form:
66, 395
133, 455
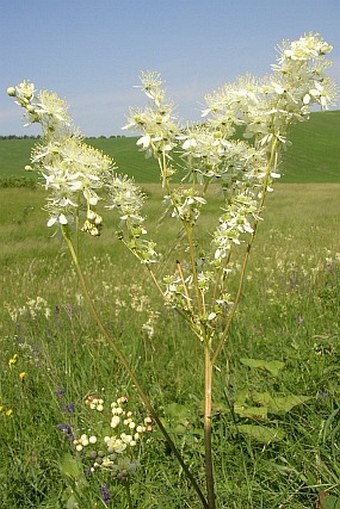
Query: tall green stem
210, 360
123, 360
207, 426
128, 494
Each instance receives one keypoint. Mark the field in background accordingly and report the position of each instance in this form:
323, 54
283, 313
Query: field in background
289, 313
312, 157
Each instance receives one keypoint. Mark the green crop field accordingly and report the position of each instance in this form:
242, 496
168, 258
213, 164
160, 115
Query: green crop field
312, 157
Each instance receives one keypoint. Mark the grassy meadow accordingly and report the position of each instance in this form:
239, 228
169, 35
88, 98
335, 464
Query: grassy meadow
276, 419
313, 156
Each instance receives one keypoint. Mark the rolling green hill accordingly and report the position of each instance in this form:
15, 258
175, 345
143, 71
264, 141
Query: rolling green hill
314, 155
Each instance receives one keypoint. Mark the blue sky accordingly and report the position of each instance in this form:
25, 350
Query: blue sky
91, 52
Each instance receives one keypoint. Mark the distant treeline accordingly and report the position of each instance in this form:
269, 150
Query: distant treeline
16, 137
18, 181
38, 137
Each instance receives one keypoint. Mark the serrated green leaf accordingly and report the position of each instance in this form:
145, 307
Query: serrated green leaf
267, 404
242, 398
261, 434
251, 412
177, 411
282, 405
330, 502
72, 503
273, 367
70, 466
262, 398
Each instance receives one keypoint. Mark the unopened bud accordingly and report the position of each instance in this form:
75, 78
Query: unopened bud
11, 91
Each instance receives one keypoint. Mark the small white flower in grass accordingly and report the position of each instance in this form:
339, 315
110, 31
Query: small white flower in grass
115, 421
126, 438
93, 439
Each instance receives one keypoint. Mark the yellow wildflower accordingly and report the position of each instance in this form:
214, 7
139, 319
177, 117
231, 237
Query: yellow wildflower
22, 375
9, 412
13, 360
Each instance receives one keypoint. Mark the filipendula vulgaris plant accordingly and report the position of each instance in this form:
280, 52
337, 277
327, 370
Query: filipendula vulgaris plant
260, 112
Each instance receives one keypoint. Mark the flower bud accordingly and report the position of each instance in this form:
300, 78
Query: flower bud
11, 91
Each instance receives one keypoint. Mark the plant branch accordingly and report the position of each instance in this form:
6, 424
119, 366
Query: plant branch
127, 367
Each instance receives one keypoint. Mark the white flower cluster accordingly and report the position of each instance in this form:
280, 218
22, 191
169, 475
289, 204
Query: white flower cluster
156, 123
177, 293
236, 220
72, 170
127, 198
45, 107
115, 452
186, 204
266, 108
31, 309
77, 176
95, 403
257, 111
140, 303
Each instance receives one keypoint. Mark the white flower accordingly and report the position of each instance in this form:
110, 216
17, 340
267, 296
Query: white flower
190, 143
115, 421
144, 141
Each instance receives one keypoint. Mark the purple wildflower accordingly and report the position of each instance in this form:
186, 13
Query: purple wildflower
106, 493
69, 408
322, 394
60, 393
67, 430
